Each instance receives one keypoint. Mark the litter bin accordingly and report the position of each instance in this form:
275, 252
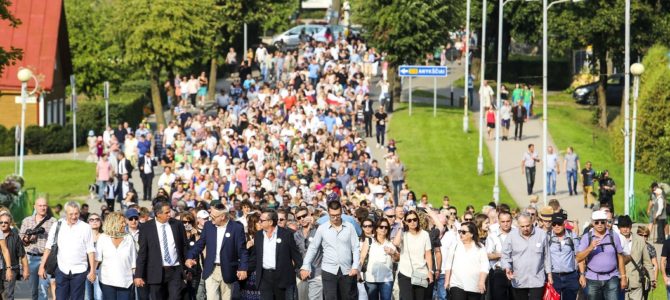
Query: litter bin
461, 101
389, 103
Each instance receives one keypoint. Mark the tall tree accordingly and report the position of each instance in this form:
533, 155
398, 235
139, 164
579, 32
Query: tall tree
160, 33
407, 29
8, 56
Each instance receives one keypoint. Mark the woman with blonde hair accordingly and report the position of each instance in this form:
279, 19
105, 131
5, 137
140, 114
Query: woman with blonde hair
115, 253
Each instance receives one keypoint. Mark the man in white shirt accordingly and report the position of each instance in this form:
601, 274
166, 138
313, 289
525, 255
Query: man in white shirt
530, 159
552, 170
167, 178
73, 258
486, 95
499, 285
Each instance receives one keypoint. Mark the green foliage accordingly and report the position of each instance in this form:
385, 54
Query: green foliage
407, 29
277, 19
123, 107
6, 141
8, 56
52, 138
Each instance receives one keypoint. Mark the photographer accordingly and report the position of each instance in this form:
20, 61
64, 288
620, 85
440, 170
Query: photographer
34, 233
607, 190
16, 254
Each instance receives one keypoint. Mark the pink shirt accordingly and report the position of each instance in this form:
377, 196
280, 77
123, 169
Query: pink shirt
103, 169
242, 175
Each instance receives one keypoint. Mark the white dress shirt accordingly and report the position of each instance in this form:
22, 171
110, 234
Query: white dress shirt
74, 244
220, 232
116, 263
270, 250
172, 248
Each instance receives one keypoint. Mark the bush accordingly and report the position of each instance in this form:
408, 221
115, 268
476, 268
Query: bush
123, 107
6, 141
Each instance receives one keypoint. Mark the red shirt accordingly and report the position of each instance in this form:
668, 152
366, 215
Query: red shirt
490, 117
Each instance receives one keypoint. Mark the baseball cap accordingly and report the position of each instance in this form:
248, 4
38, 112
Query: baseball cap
598, 215
557, 218
203, 214
132, 213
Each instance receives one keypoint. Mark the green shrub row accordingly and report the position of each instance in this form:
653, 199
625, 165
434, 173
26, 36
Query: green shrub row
123, 107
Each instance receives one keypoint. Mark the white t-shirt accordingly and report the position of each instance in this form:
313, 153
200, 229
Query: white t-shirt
552, 161
414, 247
468, 264
380, 264
116, 263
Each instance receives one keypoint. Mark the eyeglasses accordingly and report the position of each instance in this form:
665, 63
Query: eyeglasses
644, 235
367, 226
390, 216
467, 219
411, 220
282, 219
383, 227
554, 224
600, 222
532, 214
462, 232
300, 217
3, 223
335, 216
263, 220
94, 220
133, 219
186, 221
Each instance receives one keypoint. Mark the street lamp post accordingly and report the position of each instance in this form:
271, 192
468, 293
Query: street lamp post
636, 69
480, 158
24, 75
467, 66
626, 99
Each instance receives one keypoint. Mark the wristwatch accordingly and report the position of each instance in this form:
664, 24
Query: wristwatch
582, 274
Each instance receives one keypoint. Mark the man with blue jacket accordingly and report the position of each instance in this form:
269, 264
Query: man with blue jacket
227, 259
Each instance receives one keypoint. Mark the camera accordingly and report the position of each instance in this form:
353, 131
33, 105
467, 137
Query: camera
35, 231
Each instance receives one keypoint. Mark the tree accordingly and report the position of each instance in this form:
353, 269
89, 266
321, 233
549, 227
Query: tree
406, 29
159, 34
8, 56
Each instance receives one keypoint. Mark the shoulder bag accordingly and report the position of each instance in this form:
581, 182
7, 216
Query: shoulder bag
52, 261
419, 277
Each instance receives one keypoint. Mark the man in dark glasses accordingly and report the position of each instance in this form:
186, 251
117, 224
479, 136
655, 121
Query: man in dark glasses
564, 271
601, 259
312, 287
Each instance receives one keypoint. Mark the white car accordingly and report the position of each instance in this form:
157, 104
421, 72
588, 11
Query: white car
291, 38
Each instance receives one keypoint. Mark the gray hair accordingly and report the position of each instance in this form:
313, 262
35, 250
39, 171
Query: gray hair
73, 204
7, 214
524, 215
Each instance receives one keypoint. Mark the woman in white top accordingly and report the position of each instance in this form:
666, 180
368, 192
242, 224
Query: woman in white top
467, 266
381, 254
416, 259
115, 252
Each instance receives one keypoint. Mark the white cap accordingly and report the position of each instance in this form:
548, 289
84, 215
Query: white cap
598, 215
203, 214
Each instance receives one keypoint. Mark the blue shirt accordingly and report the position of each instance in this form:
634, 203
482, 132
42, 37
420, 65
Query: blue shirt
313, 70
341, 249
142, 147
345, 219
330, 123
562, 254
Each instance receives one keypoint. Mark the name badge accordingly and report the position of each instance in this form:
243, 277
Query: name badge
278, 241
227, 234
538, 245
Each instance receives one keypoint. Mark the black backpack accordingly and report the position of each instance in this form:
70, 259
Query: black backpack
552, 239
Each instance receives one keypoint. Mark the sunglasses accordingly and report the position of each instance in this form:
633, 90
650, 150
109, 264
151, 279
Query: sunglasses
367, 226
383, 227
94, 220
463, 232
133, 219
390, 216
554, 224
282, 219
300, 217
644, 235
467, 219
600, 222
411, 220
186, 221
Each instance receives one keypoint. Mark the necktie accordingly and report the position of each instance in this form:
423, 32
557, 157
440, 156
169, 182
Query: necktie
166, 257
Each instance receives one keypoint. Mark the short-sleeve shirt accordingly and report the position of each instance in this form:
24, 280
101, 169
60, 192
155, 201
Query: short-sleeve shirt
602, 261
529, 159
413, 249
571, 161
588, 175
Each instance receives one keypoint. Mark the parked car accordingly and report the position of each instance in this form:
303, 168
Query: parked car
335, 30
291, 38
588, 93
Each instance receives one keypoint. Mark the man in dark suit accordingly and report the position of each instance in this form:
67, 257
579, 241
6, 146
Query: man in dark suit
125, 191
160, 259
277, 258
123, 166
146, 165
229, 187
230, 263
367, 115
519, 116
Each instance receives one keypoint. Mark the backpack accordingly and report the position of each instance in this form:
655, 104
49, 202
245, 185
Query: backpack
602, 248
552, 239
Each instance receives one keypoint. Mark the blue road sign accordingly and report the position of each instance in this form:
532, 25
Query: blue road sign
423, 71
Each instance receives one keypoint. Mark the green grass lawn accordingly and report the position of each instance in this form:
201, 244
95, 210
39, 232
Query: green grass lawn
570, 125
59, 180
441, 159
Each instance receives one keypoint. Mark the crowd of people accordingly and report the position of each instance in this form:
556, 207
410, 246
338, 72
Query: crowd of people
277, 195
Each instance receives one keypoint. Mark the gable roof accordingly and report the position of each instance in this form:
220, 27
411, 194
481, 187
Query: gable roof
42, 23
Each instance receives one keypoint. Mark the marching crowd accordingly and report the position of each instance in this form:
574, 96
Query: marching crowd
277, 195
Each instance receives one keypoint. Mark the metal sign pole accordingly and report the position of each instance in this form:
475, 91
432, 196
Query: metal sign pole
434, 97
106, 95
410, 95
74, 116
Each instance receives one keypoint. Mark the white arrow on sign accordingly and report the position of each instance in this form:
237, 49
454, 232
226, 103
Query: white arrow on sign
404, 71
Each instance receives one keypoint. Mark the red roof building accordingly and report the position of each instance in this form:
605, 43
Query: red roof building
42, 35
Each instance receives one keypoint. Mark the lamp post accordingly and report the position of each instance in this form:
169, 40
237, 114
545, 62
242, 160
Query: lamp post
24, 75
636, 69
480, 158
545, 48
626, 99
467, 66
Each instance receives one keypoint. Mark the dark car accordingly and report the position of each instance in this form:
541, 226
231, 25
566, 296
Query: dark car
588, 94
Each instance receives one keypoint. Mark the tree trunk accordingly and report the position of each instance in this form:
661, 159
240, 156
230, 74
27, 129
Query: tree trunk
394, 82
156, 96
602, 86
211, 90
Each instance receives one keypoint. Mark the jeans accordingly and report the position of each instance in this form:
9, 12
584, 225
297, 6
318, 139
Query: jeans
530, 179
603, 289
101, 189
39, 287
527, 106
551, 182
339, 286
381, 131
379, 290
115, 293
572, 181
397, 186
70, 286
93, 291
566, 285
440, 293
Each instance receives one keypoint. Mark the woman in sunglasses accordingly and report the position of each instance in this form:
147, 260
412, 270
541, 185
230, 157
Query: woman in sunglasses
379, 266
93, 288
416, 259
467, 266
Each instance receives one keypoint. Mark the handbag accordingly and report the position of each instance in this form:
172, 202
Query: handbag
419, 277
550, 293
52, 260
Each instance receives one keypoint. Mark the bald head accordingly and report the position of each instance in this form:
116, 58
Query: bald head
41, 206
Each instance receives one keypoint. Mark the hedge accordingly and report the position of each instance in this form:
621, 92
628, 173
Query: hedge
123, 107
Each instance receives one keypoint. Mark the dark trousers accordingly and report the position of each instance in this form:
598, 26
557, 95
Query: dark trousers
339, 286
116, 293
409, 291
170, 287
367, 119
269, 286
110, 204
140, 293
566, 284
528, 294
518, 130
500, 287
146, 185
660, 230
397, 186
459, 294
381, 131
192, 97
530, 179
70, 286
